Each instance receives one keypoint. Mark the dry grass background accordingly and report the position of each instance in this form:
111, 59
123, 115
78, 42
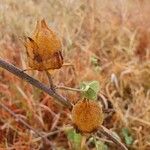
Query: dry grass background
108, 41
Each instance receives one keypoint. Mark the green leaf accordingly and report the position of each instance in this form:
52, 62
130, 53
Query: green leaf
101, 146
74, 138
128, 138
90, 89
94, 61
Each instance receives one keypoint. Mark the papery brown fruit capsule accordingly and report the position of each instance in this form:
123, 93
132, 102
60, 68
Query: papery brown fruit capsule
44, 49
87, 116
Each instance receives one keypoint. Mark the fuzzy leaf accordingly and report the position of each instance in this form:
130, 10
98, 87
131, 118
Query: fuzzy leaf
74, 138
90, 89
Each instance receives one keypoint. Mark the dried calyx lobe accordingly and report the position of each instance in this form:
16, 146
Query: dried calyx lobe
44, 48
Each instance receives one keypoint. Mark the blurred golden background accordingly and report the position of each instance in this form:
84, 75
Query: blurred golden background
108, 41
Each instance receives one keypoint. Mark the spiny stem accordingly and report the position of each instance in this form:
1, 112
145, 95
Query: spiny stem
18, 72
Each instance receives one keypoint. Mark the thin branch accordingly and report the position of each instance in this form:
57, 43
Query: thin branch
52, 86
69, 89
109, 135
18, 72
53, 133
83, 142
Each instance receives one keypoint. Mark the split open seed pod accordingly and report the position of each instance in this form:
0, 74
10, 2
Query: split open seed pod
87, 116
44, 49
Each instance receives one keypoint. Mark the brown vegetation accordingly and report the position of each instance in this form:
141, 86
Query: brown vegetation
106, 41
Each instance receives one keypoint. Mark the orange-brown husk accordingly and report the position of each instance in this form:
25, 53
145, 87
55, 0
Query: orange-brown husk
44, 48
87, 116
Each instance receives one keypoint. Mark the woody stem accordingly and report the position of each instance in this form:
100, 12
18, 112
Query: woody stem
83, 142
18, 72
52, 86
110, 135
69, 89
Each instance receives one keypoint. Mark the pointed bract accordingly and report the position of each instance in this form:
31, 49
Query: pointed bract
44, 48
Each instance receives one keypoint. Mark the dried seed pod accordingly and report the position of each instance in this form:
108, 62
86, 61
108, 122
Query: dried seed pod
87, 116
44, 48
